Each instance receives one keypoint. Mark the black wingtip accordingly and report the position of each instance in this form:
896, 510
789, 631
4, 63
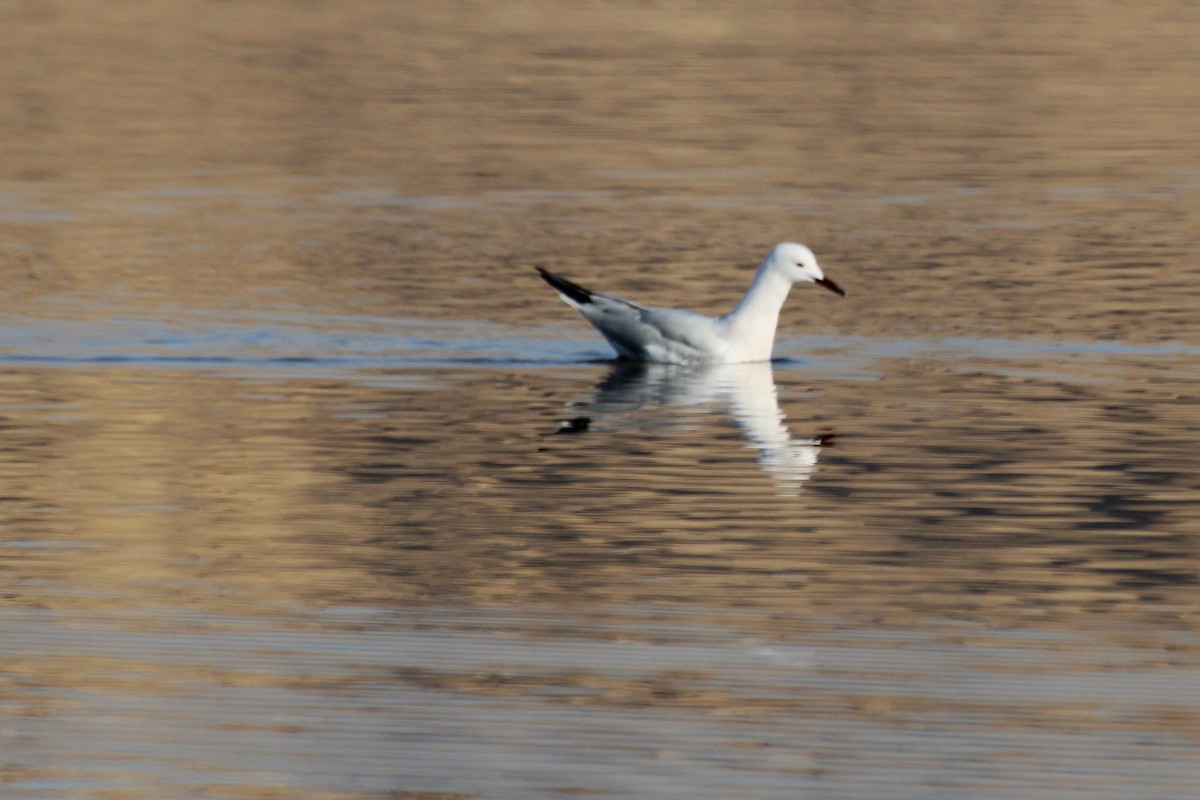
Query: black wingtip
575, 425
571, 290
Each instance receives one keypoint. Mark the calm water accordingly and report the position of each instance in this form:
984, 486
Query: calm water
310, 488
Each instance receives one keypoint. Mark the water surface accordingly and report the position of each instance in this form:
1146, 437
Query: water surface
311, 488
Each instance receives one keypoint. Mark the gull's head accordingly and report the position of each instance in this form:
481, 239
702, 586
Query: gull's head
798, 263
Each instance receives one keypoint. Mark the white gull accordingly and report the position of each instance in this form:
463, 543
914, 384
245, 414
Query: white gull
676, 336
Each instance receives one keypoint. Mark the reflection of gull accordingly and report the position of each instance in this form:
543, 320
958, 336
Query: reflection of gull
747, 390
675, 336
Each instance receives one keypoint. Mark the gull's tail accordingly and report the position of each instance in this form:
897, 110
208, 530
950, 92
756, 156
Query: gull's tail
569, 290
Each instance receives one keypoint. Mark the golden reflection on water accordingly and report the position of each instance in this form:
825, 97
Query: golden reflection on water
1017, 496
287, 503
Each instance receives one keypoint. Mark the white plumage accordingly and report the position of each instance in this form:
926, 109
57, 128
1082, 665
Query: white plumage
676, 336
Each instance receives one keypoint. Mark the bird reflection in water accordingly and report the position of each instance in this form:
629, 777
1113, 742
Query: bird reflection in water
746, 391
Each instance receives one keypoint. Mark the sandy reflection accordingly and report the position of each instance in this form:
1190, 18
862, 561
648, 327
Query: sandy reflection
744, 391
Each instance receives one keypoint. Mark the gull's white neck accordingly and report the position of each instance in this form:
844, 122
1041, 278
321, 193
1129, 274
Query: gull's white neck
752, 323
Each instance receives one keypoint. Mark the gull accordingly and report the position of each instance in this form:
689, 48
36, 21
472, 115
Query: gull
677, 336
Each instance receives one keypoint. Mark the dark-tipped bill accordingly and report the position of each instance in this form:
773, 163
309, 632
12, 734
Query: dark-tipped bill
831, 286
